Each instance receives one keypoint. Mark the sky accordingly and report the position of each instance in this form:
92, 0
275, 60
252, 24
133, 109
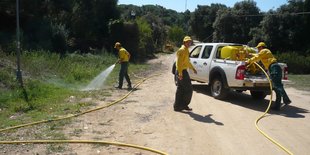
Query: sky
191, 5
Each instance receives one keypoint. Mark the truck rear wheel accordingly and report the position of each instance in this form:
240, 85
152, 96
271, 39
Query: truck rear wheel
258, 95
218, 89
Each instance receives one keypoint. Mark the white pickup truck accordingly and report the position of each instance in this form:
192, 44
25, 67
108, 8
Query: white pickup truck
224, 74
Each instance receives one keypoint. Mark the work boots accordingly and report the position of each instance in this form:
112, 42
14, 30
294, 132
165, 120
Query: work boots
287, 101
276, 106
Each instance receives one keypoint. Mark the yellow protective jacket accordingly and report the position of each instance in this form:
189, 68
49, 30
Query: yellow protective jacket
265, 56
124, 55
183, 60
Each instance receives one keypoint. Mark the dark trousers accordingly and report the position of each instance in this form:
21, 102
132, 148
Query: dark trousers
184, 92
276, 77
123, 73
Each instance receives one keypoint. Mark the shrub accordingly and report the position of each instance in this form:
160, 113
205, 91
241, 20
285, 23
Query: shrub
176, 34
297, 64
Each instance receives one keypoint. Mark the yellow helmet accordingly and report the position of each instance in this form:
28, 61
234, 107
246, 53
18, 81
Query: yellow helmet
261, 44
187, 38
117, 44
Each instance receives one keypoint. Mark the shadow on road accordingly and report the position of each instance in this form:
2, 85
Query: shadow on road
245, 100
204, 119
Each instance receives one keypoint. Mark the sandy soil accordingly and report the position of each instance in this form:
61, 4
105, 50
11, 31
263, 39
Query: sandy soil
227, 127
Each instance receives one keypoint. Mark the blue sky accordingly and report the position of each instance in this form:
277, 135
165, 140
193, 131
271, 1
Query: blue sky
180, 5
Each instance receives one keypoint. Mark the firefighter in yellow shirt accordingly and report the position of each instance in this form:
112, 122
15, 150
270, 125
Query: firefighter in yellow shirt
270, 63
124, 57
184, 90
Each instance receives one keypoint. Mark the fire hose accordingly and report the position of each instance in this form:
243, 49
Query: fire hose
81, 141
263, 115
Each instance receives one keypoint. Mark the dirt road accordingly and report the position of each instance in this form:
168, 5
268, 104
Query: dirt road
214, 127
147, 118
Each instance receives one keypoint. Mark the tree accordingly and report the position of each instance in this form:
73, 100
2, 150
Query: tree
128, 34
284, 30
175, 34
89, 22
247, 17
186, 24
306, 8
146, 46
8, 26
224, 26
129, 12
235, 24
56, 25
158, 30
203, 19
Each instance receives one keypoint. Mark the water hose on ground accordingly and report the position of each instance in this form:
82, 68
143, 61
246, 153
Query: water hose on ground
85, 142
124, 144
263, 115
79, 114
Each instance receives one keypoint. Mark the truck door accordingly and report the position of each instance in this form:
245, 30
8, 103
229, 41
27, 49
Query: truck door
202, 63
194, 56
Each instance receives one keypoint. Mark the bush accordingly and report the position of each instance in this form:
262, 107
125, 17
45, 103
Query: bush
176, 34
297, 64
128, 35
146, 46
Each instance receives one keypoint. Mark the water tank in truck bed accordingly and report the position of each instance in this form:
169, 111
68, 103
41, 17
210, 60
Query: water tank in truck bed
236, 52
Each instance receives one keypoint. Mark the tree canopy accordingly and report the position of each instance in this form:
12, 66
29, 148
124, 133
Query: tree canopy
82, 25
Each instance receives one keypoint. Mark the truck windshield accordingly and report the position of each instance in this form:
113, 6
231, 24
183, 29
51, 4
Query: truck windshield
195, 52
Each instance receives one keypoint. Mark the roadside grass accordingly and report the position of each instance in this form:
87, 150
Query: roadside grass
45, 101
52, 85
300, 82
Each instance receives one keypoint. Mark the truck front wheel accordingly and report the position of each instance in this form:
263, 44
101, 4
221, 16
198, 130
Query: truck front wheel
258, 95
218, 89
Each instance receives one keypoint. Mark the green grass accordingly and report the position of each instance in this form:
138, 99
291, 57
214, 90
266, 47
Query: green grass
49, 82
45, 102
300, 82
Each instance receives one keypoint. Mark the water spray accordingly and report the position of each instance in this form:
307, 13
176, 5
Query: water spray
98, 82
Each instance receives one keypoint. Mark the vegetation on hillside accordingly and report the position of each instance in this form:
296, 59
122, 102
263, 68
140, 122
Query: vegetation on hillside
88, 26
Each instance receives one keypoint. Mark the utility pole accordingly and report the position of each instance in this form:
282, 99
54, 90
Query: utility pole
187, 24
185, 5
18, 72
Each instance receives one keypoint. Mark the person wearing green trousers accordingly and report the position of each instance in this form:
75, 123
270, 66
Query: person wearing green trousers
270, 63
184, 90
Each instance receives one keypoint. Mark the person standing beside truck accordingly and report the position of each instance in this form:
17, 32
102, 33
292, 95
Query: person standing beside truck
184, 90
124, 57
270, 63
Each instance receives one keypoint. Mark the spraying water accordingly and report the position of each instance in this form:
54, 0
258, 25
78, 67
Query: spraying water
98, 82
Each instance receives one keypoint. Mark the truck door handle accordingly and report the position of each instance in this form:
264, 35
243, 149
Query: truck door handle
195, 62
205, 63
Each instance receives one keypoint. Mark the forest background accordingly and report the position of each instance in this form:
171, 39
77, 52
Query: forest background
93, 26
